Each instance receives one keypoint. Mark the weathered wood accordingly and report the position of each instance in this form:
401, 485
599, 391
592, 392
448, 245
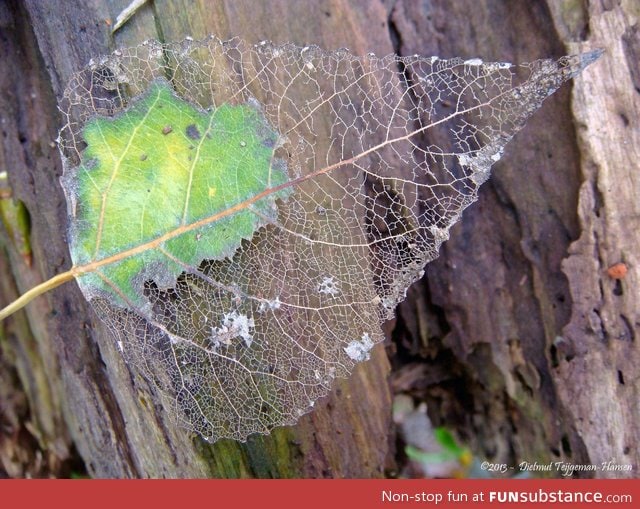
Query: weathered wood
533, 343
28, 123
498, 282
542, 337
597, 375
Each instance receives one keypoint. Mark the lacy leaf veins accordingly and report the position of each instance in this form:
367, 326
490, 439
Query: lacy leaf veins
243, 218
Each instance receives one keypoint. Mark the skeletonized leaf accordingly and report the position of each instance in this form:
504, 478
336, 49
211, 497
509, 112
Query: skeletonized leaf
245, 217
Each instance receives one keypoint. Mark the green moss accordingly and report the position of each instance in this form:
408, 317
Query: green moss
274, 456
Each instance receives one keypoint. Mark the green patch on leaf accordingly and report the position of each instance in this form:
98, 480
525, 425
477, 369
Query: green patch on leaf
168, 185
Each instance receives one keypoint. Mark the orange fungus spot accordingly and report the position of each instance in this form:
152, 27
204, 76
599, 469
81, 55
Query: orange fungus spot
617, 271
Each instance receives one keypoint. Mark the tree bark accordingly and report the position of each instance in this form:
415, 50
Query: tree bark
542, 337
525, 345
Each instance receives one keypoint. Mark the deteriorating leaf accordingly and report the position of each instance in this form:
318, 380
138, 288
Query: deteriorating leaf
167, 197
246, 255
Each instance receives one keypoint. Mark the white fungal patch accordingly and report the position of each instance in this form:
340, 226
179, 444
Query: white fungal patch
440, 235
269, 305
234, 325
464, 159
328, 286
359, 350
388, 302
473, 61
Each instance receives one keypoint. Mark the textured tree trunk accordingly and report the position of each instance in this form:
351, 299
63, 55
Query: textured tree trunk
543, 339
525, 345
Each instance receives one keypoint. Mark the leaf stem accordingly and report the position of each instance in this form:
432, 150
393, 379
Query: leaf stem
43, 287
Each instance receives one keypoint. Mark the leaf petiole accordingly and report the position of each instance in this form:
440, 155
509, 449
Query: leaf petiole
36, 291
